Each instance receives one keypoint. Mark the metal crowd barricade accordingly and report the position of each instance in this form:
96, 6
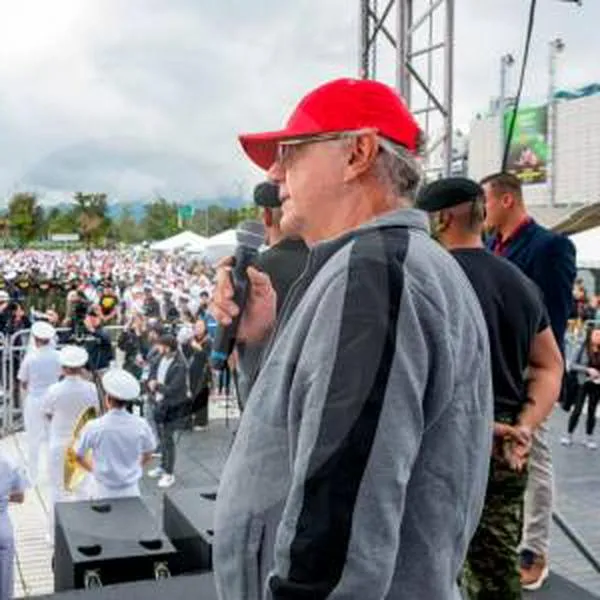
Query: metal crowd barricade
5, 397
18, 344
13, 351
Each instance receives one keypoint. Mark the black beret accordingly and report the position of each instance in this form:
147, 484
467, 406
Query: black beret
266, 194
448, 192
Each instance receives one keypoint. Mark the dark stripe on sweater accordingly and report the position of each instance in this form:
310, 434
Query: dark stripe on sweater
363, 362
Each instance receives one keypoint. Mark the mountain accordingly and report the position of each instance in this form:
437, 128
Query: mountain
137, 209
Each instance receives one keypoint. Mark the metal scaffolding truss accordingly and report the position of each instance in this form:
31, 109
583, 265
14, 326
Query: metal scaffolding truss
421, 35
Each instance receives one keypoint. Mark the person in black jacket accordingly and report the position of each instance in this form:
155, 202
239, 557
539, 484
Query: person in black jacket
169, 384
197, 352
97, 342
134, 343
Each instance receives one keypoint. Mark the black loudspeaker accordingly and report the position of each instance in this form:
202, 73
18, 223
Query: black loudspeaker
185, 587
105, 542
188, 522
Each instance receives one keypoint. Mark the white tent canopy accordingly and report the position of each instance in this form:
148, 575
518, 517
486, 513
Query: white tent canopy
587, 244
219, 246
185, 240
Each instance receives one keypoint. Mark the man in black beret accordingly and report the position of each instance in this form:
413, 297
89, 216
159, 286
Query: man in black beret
520, 340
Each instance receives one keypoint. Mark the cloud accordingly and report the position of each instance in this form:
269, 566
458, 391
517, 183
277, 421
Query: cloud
147, 96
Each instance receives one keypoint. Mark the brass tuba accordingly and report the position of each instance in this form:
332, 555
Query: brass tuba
73, 472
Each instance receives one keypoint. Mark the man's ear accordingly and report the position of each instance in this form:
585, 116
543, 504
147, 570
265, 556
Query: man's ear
364, 150
507, 201
444, 220
267, 217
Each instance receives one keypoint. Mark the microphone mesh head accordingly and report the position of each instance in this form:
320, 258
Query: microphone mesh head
250, 234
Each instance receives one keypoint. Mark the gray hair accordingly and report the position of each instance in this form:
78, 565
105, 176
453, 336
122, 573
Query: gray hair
398, 170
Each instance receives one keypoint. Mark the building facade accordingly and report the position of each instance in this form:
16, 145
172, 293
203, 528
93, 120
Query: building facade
576, 165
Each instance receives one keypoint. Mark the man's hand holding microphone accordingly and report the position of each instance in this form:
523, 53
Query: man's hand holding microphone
244, 302
258, 317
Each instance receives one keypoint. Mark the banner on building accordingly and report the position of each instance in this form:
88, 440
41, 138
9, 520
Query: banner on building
528, 151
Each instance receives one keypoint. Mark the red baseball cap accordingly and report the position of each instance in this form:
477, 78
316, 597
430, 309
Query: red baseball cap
340, 105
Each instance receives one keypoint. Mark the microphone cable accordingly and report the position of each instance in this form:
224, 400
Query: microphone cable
515, 109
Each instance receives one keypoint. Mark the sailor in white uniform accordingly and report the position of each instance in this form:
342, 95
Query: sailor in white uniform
12, 489
63, 404
121, 443
38, 371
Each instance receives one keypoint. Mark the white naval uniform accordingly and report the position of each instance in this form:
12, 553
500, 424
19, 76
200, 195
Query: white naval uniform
64, 402
117, 440
11, 480
39, 370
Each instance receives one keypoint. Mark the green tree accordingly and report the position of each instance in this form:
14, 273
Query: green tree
126, 229
214, 219
90, 211
61, 221
160, 220
25, 217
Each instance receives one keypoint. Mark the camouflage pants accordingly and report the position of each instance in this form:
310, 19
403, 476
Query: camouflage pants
491, 571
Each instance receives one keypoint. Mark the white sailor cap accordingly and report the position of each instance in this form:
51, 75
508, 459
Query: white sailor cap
42, 330
73, 357
121, 385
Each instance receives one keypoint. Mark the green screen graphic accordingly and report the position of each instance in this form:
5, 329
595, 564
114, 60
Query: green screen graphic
528, 151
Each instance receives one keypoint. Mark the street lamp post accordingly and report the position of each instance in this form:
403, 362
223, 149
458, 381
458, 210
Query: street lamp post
506, 62
556, 47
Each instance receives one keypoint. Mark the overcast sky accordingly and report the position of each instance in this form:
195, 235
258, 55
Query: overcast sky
145, 97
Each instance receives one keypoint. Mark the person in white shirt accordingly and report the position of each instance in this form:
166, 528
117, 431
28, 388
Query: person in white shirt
63, 404
12, 489
38, 371
120, 443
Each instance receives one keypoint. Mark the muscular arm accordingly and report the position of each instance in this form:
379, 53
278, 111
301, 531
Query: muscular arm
546, 368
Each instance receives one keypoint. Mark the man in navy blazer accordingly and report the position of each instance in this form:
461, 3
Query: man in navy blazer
549, 260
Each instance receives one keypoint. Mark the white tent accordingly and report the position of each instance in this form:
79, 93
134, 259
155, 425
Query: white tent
587, 244
219, 246
184, 240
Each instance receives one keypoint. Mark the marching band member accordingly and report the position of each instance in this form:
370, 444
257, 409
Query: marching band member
38, 371
12, 489
121, 443
63, 403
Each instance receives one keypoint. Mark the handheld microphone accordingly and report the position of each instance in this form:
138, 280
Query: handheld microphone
250, 237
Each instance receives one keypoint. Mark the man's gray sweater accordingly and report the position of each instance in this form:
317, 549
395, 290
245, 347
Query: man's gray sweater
360, 465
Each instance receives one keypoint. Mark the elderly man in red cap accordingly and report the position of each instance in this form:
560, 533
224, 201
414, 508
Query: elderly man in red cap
360, 465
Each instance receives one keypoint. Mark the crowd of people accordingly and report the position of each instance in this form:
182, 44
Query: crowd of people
64, 286
80, 314
396, 380
582, 356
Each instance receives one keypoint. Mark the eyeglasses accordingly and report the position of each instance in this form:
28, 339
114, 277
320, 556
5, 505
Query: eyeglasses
286, 148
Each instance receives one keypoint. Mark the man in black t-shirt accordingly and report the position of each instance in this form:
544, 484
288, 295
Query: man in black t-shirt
521, 341
108, 303
286, 257
283, 262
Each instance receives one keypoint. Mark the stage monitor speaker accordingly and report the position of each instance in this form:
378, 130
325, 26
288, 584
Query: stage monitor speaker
188, 519
184, 587
111, 541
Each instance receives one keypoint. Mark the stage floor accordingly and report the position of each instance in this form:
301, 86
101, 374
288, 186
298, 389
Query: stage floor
201, 456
